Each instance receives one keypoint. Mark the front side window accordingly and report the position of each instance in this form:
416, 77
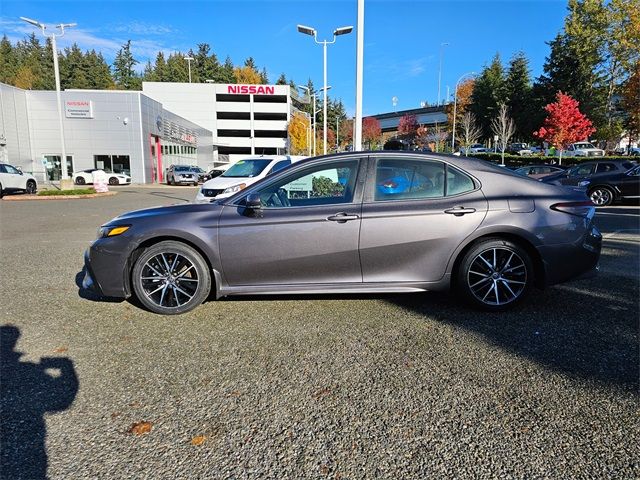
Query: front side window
280, 165
247, 168
605, 167
10, 169
326, 184
580, 170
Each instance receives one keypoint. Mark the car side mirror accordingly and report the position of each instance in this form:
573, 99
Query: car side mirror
253, 205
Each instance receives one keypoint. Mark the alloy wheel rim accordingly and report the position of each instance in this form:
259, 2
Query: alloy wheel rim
30, 188
169, 280
600, 197
497, 276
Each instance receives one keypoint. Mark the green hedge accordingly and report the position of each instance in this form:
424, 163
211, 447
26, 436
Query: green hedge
77, 191
516, 160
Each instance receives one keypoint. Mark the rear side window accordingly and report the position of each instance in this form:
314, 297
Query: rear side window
405, 179
605, 167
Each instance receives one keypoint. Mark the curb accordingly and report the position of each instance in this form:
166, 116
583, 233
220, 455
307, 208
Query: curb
24, 198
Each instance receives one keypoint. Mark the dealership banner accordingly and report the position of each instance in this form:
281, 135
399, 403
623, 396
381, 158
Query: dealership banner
78, 109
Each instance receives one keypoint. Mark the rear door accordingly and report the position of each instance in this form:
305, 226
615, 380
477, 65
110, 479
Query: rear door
629, 185
415, 213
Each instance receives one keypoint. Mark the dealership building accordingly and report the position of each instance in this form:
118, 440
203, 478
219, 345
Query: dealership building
142, 133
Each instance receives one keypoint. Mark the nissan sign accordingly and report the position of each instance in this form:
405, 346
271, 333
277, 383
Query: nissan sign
78, 109
253, 89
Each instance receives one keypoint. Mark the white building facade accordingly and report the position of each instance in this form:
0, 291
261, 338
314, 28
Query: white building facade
118, 131
244, 119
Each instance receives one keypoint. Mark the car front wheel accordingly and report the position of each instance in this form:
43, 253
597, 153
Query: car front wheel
601, 196
171, 278
113, 181
31, 187
495, 275
80, 181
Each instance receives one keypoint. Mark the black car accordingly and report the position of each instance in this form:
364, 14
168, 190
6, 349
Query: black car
606, 181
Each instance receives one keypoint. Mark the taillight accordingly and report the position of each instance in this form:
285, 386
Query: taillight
581, 209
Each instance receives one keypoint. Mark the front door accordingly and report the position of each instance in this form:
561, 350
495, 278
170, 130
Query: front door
415, 214
306, 231
630, 184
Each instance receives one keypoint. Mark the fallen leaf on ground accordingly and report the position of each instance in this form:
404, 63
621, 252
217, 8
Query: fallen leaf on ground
199, 440
60, 350
140, 428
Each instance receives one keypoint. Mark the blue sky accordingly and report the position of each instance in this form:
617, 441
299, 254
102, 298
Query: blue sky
402, 38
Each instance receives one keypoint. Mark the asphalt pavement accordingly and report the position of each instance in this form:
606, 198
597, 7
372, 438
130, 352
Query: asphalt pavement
370, 386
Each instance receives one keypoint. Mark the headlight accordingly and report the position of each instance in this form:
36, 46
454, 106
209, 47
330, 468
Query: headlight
584, 183
112, 231
235, 188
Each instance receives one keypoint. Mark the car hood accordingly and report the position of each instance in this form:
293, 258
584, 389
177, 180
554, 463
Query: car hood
179, 209
220, 183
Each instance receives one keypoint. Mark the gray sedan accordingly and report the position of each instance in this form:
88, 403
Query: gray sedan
350, 223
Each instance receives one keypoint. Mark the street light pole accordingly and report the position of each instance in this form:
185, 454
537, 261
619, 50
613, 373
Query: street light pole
455, 106
312, 32
312, 97
442, 45
63, 164
357, 121
189, 59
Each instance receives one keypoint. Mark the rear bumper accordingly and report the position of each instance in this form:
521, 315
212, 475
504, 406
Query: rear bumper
572, 261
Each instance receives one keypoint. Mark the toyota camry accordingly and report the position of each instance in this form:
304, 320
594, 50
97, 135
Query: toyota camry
350, 223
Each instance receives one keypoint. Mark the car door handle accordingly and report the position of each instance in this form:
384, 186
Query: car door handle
342, 217
459, 211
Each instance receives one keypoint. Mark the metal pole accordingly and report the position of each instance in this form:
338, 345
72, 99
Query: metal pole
63, 164
314, 124
357, 134
337, 133
324, 107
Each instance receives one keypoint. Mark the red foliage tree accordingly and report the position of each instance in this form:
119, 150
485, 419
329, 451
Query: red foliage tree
408, 126
371, 130
565, 124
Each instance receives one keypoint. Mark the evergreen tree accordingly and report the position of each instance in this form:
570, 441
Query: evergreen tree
282, 79
489, 91
160, 70
8, 61
123, 72
519, 95
98, 71
264, 78
250, 62
74, 69
226, 72
177, 67
206, 64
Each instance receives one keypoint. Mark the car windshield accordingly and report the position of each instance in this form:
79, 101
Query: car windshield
181, 168
628, 165
584, 145
247, 168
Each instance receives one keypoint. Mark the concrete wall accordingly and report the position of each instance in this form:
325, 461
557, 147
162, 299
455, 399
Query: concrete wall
15, 147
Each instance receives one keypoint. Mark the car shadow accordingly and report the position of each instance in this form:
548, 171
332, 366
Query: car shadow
578, 329
28, 391
92, 295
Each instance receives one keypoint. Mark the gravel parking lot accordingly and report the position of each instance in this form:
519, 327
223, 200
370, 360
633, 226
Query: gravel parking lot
377, 386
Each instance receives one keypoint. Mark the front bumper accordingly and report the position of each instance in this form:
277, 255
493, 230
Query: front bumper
106, 271
572, 261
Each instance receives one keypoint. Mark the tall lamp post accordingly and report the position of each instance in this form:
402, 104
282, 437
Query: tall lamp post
312, 97
357, 120
312, 32
63, 164
442, 45
455, 106
189, 60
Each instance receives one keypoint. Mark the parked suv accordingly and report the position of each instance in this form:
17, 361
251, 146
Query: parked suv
604, 181
519, 149
583, 149
182, 174
12, 179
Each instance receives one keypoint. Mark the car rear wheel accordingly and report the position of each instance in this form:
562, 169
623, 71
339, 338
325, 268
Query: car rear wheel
80, 181
495, 274
31, 187
1, 191
171, 278
601, 196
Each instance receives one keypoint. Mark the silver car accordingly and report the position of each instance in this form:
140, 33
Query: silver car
354, 222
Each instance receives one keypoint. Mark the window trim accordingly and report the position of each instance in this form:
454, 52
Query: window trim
358, 193
369, 196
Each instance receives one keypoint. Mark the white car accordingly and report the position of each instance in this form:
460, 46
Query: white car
583, 149
242, 174
474, 148
84, 177
12, 179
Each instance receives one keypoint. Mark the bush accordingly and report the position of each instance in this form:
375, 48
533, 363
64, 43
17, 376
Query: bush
516, 160
77, 191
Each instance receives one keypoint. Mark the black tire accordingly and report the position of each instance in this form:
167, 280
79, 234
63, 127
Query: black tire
113, 181
181, 285
80, 181
509, 277
1, 191
601, 196
32, 187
